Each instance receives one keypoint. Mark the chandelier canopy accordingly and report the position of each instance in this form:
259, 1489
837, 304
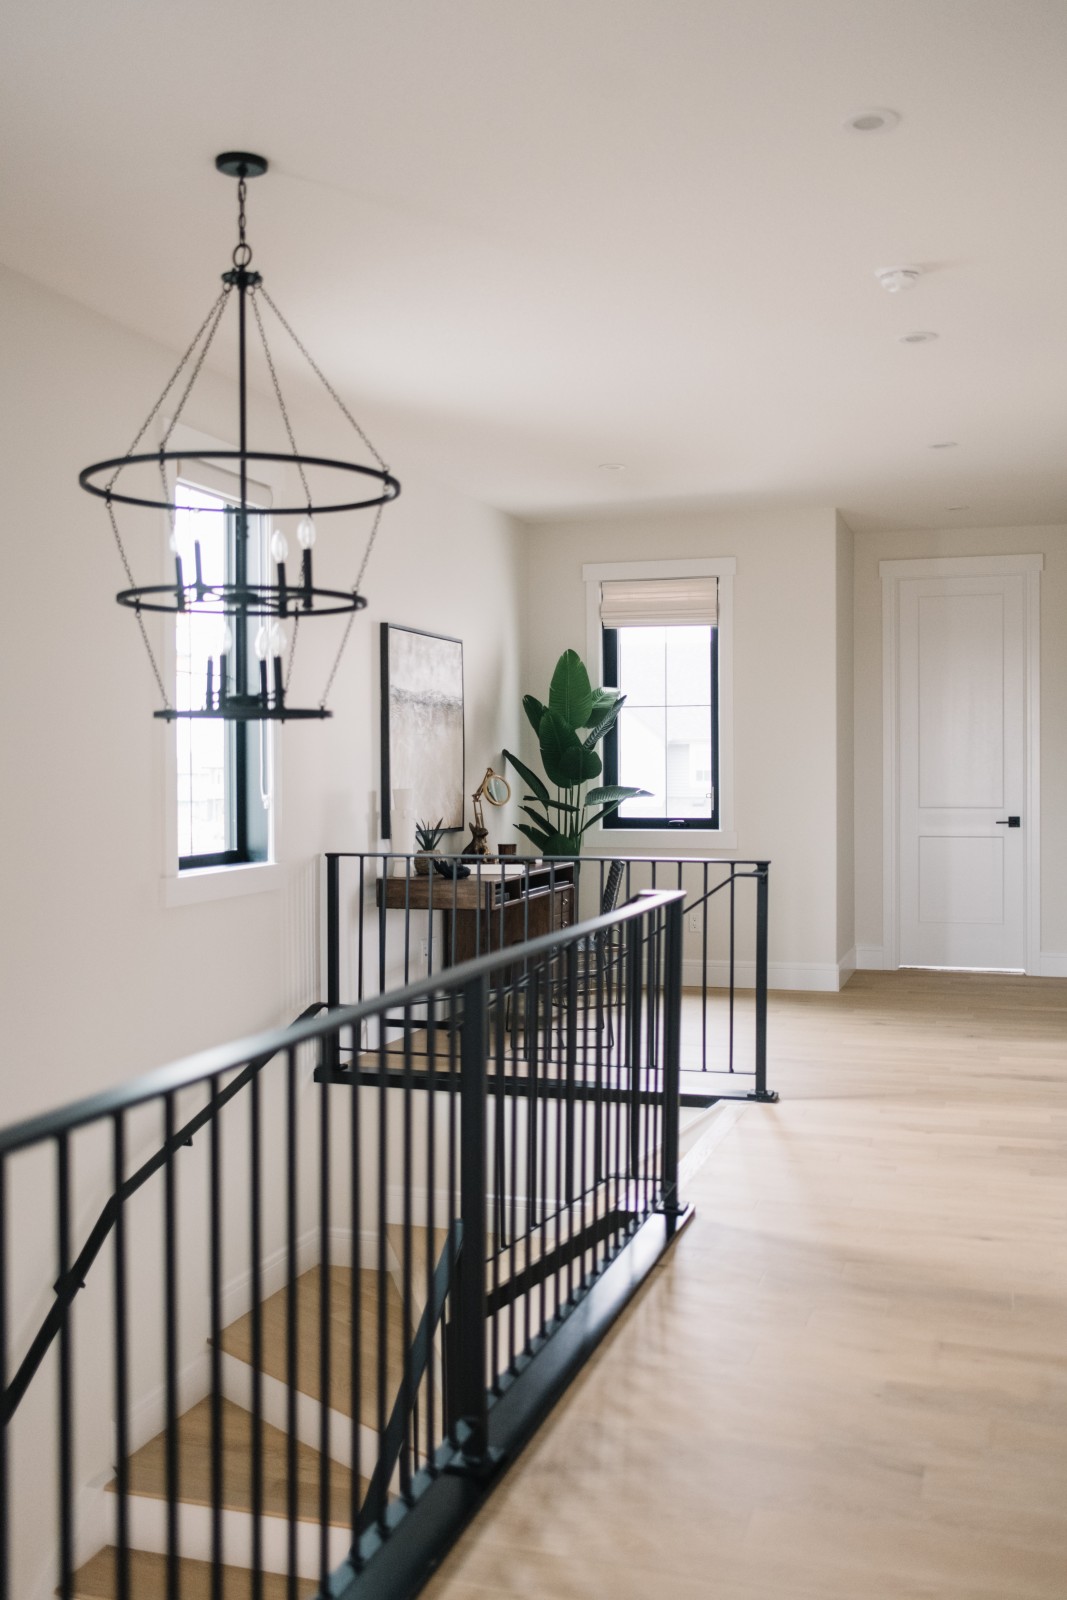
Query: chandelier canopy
250, 589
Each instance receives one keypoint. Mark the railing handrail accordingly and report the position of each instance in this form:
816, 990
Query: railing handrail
533, 862
207, 1064
74, 1280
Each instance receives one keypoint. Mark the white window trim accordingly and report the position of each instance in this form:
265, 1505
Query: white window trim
201, 884
675, 841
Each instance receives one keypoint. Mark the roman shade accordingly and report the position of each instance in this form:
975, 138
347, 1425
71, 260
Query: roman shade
659, 602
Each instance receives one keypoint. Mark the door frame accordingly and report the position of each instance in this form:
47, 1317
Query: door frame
892, 573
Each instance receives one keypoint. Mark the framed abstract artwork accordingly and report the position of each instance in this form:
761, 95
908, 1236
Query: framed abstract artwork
422, 725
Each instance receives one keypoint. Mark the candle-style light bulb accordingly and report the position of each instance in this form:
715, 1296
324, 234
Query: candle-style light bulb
179, 575
305, 533
278, 640
279, 549
262, 644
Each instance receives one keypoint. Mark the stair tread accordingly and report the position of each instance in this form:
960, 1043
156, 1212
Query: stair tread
148, 1467
237, 1339
98, 1580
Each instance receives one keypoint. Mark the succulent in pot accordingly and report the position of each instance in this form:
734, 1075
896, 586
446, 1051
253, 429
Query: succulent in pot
427, 836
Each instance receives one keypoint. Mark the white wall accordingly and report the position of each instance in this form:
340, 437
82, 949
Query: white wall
101, 980
869, 550
82, 802
786, 717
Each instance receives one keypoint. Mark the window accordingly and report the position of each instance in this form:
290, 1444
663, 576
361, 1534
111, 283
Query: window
223, 782
663, 632
665, 739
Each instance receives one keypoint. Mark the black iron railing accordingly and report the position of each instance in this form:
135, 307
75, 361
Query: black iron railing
390, 918
325, 1309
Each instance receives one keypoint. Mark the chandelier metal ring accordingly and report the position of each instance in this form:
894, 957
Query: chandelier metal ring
247, 599
390, 490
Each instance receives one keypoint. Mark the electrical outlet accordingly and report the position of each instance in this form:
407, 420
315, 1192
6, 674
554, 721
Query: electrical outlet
694, 922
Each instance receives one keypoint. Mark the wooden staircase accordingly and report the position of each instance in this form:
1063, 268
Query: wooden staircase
147, 1467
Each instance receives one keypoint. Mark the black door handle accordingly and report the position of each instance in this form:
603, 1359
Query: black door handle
1009, 822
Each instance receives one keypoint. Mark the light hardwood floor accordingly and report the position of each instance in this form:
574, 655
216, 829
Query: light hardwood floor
848, 1380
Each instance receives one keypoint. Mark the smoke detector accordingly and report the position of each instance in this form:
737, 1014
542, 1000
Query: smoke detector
894, 279
876, 119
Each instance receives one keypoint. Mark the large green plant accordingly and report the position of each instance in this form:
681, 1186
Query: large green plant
568, 730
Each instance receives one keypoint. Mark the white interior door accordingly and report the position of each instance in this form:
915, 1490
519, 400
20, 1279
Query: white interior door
962, 772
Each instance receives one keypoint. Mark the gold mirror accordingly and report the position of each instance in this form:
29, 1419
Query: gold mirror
497, 790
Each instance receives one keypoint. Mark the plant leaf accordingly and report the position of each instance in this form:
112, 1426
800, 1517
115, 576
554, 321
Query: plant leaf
537, 784
606, 723
542, 822
553, 805
561, 750
541, 840
534, 711
570, 694
564, 844
612, 794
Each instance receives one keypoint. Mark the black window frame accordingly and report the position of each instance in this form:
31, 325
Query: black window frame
610, 657
245, 852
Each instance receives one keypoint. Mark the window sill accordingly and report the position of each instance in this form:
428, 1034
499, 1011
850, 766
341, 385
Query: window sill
220, 883
664, 841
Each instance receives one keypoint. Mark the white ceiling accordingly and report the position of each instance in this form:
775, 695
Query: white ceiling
527, 237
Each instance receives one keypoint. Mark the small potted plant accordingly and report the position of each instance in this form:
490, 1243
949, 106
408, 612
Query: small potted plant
426, 836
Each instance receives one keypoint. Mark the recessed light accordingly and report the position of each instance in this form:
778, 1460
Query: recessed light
894, 279
922, 336
877, 119
612, 466
945, 444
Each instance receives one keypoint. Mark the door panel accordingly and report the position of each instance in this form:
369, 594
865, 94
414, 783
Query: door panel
962, 771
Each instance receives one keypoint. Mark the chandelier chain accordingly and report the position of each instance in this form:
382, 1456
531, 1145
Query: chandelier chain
327, 385
180, 407
292, 652
143, 429
278, 395
352, 614
137, 613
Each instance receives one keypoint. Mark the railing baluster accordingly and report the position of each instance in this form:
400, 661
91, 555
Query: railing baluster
66, 1379
356, 1300
255, 1202
292, 1311
215, 1313
122, 1361
431, 1209
407, 1304
381, 1407
5, 1470
325, 1351
170, 1352
471, 1400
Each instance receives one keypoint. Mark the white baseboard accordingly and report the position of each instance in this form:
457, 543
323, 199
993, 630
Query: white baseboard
846, 966
780, 975
869, 958
1051, 966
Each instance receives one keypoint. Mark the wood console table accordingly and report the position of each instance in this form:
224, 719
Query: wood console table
509, 903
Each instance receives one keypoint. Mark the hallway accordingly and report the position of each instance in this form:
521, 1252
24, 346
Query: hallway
848, 1380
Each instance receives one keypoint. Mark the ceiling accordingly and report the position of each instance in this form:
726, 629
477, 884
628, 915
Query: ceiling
526, 238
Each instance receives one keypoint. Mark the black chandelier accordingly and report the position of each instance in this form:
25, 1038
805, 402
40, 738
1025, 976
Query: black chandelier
231, 692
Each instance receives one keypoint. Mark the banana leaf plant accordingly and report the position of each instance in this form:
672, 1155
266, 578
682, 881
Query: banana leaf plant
568, 730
